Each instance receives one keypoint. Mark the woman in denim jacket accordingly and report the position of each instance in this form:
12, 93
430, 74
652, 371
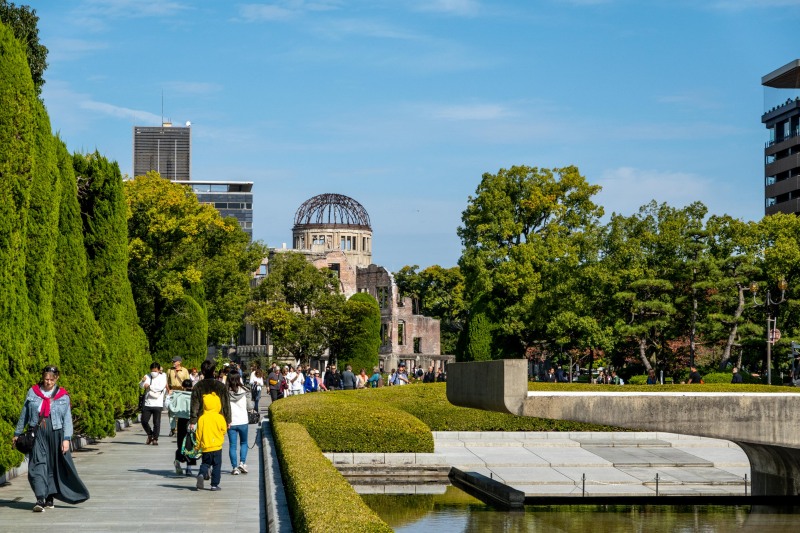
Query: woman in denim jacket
51, 471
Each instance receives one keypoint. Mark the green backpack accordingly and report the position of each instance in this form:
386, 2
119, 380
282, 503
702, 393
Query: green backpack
190, 448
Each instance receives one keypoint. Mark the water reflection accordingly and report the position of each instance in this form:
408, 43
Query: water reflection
455, 511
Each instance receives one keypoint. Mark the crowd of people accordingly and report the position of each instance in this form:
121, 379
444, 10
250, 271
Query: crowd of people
204, 407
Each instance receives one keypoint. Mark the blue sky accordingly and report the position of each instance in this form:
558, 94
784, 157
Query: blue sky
404, 104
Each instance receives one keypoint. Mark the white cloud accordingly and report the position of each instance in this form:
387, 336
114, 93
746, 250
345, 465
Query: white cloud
135, 115
626, 189
283, 10
472, 112
461, 8
64, 49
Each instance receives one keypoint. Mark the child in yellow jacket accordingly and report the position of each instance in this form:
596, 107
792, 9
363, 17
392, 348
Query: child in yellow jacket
211, 429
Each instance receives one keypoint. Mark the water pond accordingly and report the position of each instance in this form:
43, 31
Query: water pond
454, 511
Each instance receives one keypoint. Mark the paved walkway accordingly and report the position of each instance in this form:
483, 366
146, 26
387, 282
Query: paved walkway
554, 464
134, 487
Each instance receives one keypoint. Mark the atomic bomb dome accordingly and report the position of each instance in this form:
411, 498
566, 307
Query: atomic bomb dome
334, 222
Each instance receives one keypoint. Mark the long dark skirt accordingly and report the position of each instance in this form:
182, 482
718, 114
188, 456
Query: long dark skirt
52, 473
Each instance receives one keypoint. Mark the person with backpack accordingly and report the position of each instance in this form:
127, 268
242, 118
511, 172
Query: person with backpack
205, 386
238, 394
376, 380
179, 408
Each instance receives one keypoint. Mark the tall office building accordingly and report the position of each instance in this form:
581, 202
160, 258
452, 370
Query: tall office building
230, 198
165, 149
782, 150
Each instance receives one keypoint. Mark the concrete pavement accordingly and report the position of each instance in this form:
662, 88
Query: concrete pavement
554, 464
134, 487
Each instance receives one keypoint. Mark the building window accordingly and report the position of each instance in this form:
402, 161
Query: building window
401, 332
417, 344
334, 267
382, 295
384, 334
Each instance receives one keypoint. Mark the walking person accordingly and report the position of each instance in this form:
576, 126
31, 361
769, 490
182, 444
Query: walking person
274, 383
256, 384
349, 381
211, 427
51, 472
362, 378
295, 378
332, 378
155, 386
175, 377
238, 394
180, 406
206, 386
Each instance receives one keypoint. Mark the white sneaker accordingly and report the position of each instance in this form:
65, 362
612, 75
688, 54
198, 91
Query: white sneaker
242, 467
235, 471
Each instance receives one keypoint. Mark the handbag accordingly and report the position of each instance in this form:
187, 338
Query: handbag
26, 441
190, 448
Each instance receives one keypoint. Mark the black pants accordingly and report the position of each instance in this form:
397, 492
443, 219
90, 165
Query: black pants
156, 413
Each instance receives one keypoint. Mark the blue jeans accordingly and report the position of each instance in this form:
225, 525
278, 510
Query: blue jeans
212, 461
239, 431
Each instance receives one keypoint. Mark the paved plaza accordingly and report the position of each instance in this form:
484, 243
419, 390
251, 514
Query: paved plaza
134, 487
554, 464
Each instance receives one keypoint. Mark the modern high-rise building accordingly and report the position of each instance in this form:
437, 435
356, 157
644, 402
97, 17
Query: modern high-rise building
782, 150
230, 198
166, 149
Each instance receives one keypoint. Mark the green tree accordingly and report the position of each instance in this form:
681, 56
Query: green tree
167, 231
84, 356
184, 333
521, 225
364, 332
17, 149
733, 265
105, 237
230, 259
24, 23
479, 338
293, 304
42, 229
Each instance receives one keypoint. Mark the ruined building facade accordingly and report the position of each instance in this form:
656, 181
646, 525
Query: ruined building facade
334, 231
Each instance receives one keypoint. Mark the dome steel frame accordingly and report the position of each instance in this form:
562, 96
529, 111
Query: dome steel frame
332, 210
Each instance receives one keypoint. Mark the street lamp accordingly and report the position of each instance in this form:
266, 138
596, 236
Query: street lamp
770, 307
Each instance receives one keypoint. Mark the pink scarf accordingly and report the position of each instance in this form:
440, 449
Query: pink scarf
44, 410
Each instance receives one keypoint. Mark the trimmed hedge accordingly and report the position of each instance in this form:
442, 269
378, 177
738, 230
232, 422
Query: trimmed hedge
341, 422
428, 402
399, 419
319, 497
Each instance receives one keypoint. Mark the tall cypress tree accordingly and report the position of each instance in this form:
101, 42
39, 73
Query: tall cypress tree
105, 236
42, 228
364, 317
17, 138
84, 360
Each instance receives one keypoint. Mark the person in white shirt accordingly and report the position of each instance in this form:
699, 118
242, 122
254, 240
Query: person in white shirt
256, 382
296, 380
155, 386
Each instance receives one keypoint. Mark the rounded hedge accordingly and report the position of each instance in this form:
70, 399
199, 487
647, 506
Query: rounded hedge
340, 422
